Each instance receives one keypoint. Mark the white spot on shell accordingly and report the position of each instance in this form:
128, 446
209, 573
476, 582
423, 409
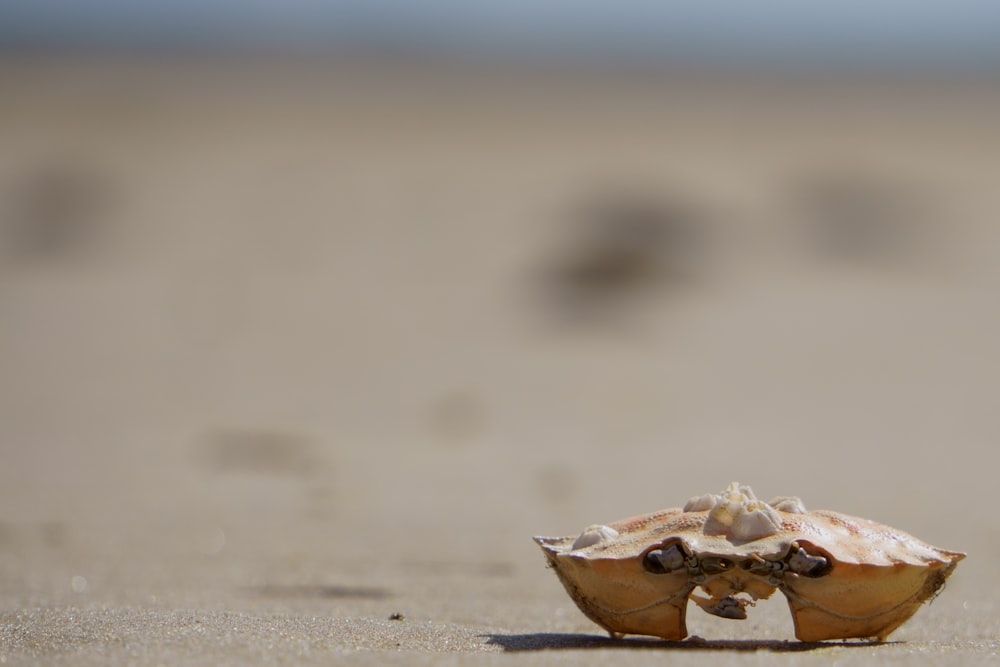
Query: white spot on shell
701, 503
596, 534
737, 512
789, 504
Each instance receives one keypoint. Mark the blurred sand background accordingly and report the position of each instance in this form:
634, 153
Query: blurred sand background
290, 347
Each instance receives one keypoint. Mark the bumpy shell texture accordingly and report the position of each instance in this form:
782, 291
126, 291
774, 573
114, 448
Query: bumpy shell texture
843, 577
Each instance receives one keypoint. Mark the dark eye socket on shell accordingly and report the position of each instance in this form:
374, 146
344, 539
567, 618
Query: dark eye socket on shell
714, 565
803, 563
664, 560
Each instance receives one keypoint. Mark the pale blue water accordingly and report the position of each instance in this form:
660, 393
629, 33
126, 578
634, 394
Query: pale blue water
904, 33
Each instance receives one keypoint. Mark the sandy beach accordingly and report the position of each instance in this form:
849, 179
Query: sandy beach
295, 358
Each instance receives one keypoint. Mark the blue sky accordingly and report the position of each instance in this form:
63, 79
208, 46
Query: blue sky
891, 31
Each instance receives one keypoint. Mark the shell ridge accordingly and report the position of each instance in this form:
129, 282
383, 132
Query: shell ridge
645, 607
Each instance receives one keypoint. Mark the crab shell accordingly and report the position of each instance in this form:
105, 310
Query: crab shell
843, 576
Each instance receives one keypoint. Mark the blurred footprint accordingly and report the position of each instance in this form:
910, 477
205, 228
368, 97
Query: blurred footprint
298, 591
850, 215
621, 246
49, 534
270, 452
55, 211
457, 418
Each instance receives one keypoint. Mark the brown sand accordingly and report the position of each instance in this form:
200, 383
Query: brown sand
287, 351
